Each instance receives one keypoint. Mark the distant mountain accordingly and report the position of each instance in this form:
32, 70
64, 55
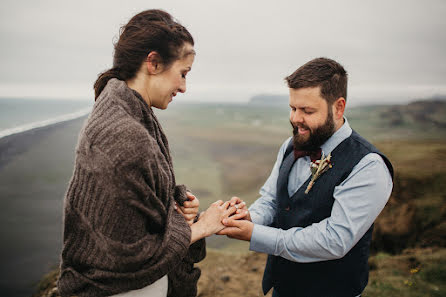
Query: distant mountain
431, 112
269, 100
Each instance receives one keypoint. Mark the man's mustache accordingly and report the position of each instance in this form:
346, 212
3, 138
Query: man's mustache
296, 127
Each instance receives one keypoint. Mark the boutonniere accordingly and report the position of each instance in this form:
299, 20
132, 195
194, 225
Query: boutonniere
318, 167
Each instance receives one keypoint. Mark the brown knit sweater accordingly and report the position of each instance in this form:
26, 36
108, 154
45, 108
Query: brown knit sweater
121, 231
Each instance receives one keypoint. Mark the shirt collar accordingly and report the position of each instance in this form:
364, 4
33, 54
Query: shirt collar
339, 136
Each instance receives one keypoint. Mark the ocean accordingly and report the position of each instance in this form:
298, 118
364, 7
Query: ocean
37, 143
20, 115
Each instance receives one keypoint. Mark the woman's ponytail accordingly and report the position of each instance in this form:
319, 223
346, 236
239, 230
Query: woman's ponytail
102, 80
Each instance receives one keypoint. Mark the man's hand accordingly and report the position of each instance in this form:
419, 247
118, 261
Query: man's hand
242, 211
189, 210
238, 229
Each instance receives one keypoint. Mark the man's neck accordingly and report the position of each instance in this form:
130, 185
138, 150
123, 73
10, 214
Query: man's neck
338, 124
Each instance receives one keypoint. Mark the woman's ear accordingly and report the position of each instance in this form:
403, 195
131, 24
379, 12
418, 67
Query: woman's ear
153, 62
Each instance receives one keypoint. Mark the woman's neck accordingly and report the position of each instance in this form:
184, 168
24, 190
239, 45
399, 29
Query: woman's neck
139, 84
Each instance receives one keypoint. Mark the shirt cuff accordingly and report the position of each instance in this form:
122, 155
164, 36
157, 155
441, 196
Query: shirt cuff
256, 218
263, 239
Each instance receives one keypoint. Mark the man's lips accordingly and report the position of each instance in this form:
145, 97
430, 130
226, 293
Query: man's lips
302, 130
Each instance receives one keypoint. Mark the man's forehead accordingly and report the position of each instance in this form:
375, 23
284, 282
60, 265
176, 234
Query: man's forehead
315, 91
306, 96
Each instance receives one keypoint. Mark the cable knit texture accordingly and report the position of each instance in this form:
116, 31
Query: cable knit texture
121, 231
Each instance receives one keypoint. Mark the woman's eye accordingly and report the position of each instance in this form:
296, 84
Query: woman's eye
183, 75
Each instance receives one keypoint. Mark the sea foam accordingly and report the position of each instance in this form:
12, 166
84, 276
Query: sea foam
39, 124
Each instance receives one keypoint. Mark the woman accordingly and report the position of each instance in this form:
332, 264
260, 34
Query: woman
123, 233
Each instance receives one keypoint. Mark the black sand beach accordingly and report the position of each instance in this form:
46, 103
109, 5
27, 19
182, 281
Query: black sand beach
35, 168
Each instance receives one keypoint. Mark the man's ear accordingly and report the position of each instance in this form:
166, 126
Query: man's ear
153, 63
339, 108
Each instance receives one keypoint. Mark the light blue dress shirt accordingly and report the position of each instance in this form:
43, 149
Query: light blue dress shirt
358, 201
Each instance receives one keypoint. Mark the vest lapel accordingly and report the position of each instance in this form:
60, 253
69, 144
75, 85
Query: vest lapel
284, 172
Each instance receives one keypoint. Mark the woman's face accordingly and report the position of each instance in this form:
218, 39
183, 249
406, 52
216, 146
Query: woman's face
166, 84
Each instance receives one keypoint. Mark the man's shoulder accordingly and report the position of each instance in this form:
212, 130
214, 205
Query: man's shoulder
285, 145
370, 153
362, 142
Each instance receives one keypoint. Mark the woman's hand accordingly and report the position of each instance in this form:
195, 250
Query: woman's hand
189, 210
210, 221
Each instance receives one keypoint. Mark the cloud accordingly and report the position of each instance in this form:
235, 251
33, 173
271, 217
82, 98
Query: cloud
243, 47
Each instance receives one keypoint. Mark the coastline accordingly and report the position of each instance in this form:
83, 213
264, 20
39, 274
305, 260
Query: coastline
35, 167
17, 143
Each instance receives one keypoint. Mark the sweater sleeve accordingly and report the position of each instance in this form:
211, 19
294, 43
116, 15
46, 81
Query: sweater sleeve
197, 251
184, 278
121, 231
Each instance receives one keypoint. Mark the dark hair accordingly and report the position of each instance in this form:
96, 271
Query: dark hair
150, 30
321, 72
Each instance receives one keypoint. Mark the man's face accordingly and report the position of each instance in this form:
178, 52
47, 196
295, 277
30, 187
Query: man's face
311, 118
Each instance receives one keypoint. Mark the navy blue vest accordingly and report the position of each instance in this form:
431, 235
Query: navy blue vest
345, 277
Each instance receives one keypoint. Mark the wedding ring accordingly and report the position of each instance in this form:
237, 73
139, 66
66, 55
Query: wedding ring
236, 206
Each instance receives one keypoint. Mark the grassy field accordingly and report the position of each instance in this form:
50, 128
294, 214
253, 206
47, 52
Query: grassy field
413, 273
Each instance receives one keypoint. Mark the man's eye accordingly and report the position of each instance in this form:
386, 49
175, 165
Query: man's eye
183, 75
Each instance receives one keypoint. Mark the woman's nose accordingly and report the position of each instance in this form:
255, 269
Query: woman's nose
182, 88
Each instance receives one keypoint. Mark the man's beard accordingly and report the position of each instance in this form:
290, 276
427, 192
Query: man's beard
317, 137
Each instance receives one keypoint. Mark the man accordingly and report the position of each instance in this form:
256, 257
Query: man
318, 238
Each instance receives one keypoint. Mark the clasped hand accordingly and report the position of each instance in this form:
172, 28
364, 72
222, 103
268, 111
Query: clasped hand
239, 225
229, 218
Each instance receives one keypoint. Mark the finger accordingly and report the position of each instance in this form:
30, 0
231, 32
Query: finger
190, 196
241, 205
229, 231
239, 216
178, 209
219, 232
189, 217
230, 211
235, 200
218, 203
225, 205
231, 223
193, 203
189, 209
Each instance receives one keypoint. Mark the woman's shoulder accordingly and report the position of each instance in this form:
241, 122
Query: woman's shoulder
112, 132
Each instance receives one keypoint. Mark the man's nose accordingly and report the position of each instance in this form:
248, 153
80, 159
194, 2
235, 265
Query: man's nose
296, 117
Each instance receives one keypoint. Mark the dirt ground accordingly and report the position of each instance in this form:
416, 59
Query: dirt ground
228, 275
413, 273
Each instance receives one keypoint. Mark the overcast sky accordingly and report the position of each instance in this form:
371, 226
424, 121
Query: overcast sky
392, 50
